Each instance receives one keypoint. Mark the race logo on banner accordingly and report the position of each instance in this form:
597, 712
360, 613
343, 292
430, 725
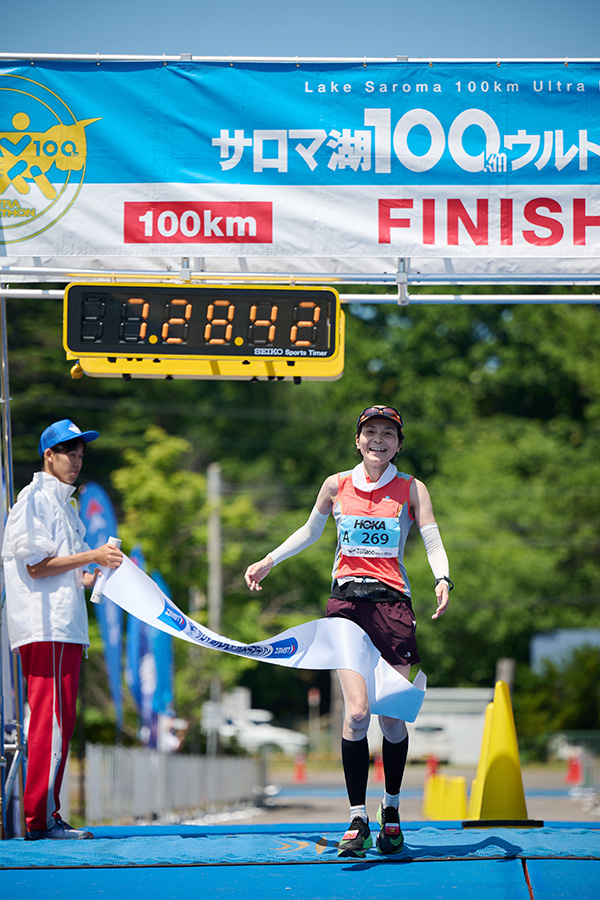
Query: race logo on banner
43, 152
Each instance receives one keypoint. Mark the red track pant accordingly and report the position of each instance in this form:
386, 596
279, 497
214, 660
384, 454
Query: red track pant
51, 670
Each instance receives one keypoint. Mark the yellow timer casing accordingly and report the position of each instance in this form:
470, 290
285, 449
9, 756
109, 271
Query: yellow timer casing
234, 332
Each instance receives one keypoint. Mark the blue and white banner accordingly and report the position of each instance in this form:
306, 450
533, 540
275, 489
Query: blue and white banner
98, 515
168, 159
320, 644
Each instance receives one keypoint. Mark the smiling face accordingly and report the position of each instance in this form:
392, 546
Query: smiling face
378, 441
66, 463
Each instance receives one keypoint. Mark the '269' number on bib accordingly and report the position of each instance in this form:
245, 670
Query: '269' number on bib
366, 536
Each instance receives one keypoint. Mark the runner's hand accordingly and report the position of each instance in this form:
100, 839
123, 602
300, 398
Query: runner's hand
256, 572
443, 598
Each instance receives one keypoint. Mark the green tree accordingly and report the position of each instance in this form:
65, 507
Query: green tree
502, 410
563, 696
165, 511
512, 539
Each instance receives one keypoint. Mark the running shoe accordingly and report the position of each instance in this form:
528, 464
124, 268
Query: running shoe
390, 839
357, 839
60, 831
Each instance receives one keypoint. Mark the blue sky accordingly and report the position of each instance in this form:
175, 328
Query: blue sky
382, 28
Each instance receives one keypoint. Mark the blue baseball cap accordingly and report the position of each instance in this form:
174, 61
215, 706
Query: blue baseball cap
62, 431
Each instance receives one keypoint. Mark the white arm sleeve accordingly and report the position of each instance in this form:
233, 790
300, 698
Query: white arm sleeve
310, 532
435, 550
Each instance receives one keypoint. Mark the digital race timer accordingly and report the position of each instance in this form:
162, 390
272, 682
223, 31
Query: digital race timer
171, 330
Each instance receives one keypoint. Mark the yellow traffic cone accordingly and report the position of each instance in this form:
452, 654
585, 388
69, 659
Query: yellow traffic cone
444, 801
497, 796
435, 806
427, 791
456, 798
476, 795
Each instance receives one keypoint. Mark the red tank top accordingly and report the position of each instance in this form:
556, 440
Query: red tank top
372, 528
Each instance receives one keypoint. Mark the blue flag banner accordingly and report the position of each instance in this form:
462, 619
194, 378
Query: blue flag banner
98, 515
163, 658
374, 160
141, 673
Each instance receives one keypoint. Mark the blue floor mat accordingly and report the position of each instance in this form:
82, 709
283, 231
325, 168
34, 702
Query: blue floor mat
280, 845
494, 879
556, 879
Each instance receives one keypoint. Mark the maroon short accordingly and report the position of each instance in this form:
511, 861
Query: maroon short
390, 625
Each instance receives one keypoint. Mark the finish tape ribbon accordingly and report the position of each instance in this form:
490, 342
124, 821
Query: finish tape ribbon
320, 644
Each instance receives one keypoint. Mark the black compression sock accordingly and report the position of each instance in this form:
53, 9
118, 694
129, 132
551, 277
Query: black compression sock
394, 761
355, 760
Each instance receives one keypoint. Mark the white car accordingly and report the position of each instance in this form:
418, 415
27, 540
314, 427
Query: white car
255, 733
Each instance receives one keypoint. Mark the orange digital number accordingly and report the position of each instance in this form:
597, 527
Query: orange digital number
213, 321
176, 320
136, 302
306, 307
269, 324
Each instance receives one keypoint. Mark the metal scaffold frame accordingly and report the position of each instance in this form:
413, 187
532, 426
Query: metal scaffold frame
403, 280
386, 280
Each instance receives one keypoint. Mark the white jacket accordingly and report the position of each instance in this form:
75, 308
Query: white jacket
44, 522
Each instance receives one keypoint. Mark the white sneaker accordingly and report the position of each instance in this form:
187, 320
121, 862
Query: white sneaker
60, 831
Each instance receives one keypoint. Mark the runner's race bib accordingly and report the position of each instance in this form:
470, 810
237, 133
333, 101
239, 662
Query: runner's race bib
369, 536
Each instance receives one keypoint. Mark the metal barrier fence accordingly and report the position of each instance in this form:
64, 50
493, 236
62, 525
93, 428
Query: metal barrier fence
128, 783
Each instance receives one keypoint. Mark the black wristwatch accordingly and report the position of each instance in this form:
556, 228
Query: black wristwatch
445, 578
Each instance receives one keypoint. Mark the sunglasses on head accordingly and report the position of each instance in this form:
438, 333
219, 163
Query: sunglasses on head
386, 412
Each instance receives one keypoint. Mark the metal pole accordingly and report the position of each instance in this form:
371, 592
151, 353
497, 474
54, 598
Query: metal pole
215, 584
17, 748
215, 581
3, 747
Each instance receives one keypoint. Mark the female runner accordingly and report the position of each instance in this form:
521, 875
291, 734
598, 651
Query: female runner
374, 506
